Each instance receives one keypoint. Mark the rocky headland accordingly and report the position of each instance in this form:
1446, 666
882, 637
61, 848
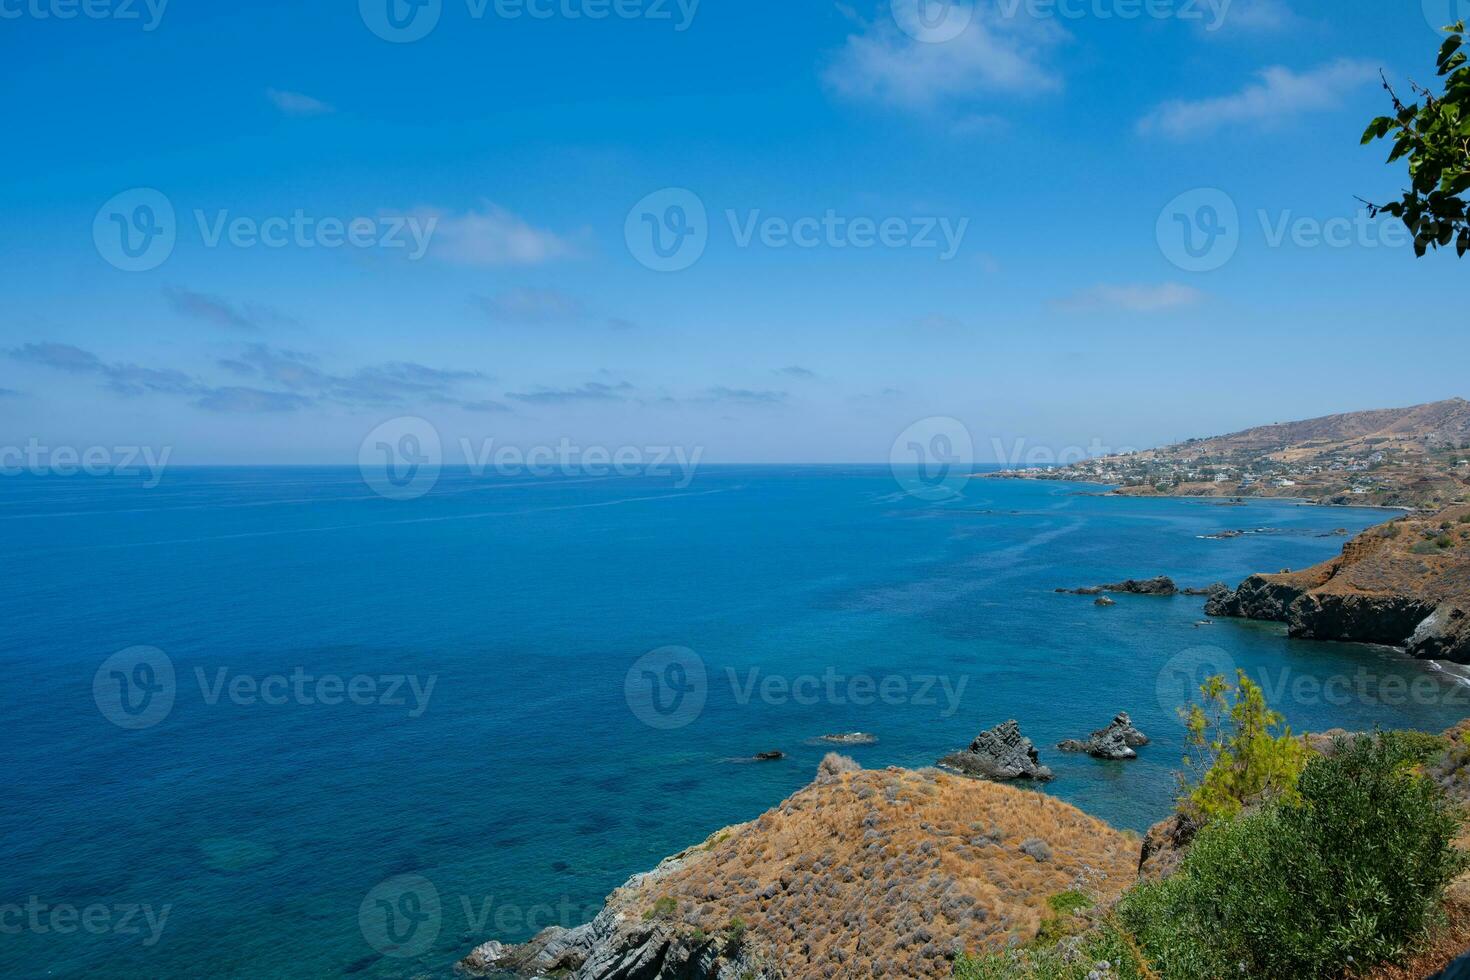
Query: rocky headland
1405, 583
863, 873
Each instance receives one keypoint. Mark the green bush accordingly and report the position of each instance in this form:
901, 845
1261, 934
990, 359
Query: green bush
1241, 750
1072, 960
665, 907
1420, 748
1351, 874
1425, 548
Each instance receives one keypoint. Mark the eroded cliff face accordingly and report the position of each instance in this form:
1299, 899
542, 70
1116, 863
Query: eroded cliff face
869, 873
1405, 583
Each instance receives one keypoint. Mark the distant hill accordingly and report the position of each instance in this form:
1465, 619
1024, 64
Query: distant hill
1444, 423
1415, 457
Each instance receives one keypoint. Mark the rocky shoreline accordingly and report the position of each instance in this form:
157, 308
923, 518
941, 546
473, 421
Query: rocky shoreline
1404, 584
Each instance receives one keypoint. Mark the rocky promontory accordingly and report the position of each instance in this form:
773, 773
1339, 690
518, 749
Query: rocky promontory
1405, 583
864, 873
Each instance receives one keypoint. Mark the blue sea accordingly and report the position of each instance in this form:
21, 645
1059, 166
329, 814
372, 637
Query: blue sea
242, 701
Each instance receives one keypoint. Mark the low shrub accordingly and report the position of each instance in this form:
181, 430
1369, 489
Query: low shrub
1350, 874
1104, 952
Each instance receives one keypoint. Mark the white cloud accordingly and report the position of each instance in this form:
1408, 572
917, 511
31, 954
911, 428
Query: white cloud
908, 69
1253, 16
1279, 92
1131, 299
296, 104
493, 237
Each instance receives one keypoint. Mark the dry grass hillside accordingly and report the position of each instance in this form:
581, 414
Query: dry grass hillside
887, 873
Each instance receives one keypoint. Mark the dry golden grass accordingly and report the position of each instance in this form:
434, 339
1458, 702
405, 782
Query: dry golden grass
889, 873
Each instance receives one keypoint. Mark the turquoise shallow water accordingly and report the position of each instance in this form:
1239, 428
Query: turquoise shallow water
528, 786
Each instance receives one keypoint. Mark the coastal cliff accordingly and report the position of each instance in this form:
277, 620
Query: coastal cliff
1405, 583
888, 872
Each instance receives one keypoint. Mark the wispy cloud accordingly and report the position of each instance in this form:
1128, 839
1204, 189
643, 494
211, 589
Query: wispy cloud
296, 104
283, 380
212, 309
595, 391
745, 396
62, 357
486, 405
796, 371
250, 400
1278, 93
910, 67
493, 237
1131, 299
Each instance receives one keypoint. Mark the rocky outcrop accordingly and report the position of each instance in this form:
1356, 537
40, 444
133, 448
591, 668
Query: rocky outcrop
1000, 753
1160, 585
1258, 597
1164, 845
1115, 741
1443, 635
850, 738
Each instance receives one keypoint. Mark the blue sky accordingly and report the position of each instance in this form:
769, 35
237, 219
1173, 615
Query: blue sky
1047, 138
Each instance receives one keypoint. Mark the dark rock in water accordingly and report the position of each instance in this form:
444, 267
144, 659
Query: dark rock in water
1103, 600
999, 753
1256, 598
770, 756
1161, 585
1116, 741
1216, 588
